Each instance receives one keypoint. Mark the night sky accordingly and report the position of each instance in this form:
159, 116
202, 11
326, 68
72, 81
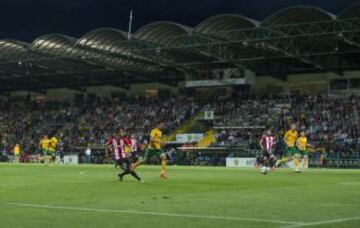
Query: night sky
27, 19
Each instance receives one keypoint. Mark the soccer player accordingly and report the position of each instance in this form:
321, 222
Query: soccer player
267, 157
16, 152
53, 144
302, 153
44, 145
155, 148
289, 140
117, 144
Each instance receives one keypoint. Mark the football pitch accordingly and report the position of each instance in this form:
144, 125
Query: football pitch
89, 196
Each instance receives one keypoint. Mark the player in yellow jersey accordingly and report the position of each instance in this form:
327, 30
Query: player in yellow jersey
290, 138
155, 148
53, 144
16, 152
44, 146
302, 152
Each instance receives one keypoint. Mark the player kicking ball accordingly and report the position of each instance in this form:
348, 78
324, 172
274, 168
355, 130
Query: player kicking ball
155, 149
117, 144
267, 159
290, 138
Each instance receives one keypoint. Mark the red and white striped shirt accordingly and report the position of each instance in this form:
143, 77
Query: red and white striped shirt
267, 142
117, 147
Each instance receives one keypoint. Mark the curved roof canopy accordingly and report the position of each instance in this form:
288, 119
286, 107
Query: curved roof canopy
296, 15
225, 22
12, 50
54, 44
296, 39
162, 32
351, 12
104, 39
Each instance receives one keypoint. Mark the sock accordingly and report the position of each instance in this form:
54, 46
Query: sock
303, 163
134, 174
121, 175
296, 164
124, 173
283, 160
272, 162
266, 162
163, 167
140, 161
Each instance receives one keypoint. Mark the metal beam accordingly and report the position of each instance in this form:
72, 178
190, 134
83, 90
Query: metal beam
159, 54
351, 42
218, 55
291, 48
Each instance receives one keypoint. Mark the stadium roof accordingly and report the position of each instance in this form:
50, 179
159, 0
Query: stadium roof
296, 39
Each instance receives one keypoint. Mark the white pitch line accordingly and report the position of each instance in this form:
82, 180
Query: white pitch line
323, 222
153, 213
350, 183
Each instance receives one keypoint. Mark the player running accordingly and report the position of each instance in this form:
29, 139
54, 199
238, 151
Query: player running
117, 145
44, 145
302, 152
267, 158
290, 140
155, 148
53, 146
16, 152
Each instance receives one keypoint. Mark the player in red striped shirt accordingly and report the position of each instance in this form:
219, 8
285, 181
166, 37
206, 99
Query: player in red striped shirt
267, 158
117, 144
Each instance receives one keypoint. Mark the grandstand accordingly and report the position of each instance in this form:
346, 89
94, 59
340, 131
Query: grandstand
216, 87
297, 49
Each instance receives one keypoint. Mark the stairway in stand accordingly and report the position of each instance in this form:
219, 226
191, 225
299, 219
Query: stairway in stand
183, 127
208, 139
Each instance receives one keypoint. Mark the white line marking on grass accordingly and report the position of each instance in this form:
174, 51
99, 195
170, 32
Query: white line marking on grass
323, 222
350, 183
153, 213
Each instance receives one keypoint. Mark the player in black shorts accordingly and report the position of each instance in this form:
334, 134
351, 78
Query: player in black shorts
125, 165
267, 157
117, 144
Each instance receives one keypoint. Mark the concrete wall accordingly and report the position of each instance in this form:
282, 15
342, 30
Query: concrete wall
268, 84
99, 91
300, 82
321, 77
139, 89
303, 82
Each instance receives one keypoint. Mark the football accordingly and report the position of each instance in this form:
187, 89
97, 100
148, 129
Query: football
264, 169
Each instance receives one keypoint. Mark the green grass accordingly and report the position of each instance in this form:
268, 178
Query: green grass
91, 196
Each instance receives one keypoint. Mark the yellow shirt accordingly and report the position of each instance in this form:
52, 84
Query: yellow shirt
127, 148
45, 144
16, 150
302, 143
156, 135
53, 143
290, 138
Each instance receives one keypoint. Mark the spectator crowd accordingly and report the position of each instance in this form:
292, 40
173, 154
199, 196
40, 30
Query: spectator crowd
83, 123
332, 122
